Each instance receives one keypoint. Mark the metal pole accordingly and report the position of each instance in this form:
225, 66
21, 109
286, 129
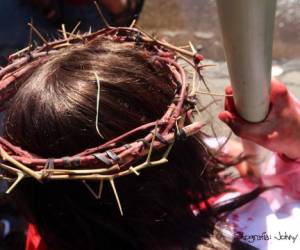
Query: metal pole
247, 31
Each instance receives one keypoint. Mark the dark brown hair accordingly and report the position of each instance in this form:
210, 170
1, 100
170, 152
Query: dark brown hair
53, 114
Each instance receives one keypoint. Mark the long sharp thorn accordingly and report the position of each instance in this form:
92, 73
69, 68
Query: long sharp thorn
9, 168
75, 28
151, 145
184, 46
63, 28
98, 194
211, 93
101, 14
6, 157
30, 35
38, 34
205, 84
100, 189
193, 91
166, 154
132, 24
112, 183
192, 48
19, 178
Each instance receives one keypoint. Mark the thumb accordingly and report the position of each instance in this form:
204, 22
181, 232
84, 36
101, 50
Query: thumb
233, 121
240, 127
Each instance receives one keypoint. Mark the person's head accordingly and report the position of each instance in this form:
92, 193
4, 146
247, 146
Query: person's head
53, 114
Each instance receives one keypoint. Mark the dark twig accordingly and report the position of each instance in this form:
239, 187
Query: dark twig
101, 15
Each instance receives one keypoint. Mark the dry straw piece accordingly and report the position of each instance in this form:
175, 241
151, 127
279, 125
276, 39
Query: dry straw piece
112, 159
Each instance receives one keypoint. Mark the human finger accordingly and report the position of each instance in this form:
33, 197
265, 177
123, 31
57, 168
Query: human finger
279, 93
228, 90
229, 104
242, 128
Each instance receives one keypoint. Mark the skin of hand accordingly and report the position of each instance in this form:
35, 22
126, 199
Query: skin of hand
279, 132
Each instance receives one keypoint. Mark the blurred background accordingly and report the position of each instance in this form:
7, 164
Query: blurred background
197, 21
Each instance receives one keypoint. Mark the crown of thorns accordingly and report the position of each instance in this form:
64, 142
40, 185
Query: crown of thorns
112, 159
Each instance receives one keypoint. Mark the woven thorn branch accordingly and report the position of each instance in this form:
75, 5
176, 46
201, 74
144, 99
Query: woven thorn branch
112, 159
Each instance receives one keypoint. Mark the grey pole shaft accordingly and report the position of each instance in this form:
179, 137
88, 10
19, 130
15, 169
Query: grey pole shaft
247, 31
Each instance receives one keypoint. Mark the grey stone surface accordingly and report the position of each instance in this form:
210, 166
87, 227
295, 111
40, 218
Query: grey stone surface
199, 21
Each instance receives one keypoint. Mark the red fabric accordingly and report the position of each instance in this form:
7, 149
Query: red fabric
34, 240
